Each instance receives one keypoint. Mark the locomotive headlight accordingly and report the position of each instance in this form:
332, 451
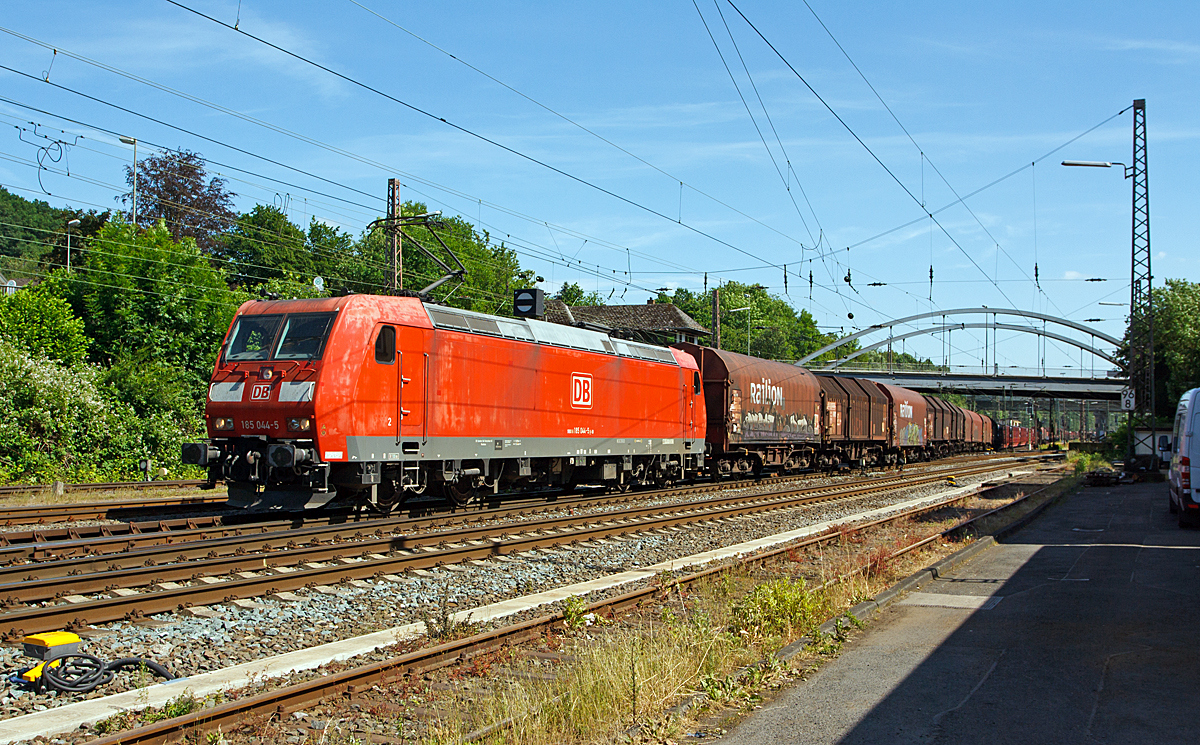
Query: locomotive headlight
223, 423
299, 424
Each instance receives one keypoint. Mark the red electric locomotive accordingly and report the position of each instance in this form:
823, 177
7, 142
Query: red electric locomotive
379, 398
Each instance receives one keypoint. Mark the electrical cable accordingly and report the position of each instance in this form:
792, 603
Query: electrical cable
924, 157
750, 113
871, 152
476, 135
317, 143
572, 122
83, 673
359, 259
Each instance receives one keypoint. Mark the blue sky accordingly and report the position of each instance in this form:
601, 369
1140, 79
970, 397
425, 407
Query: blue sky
983, 91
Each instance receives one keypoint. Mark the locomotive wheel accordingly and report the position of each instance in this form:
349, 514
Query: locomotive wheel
461, 492
388, 497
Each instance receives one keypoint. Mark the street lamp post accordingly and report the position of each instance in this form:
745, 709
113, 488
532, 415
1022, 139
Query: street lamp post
738, 310
70, 224
133, 141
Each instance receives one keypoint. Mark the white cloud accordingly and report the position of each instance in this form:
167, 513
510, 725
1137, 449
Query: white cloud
1179, 52
1072, 274
170, 43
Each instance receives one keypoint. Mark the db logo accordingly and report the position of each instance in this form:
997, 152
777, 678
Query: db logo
581, 391
260, 392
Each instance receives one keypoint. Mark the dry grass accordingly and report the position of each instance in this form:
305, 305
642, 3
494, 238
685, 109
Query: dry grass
621, 678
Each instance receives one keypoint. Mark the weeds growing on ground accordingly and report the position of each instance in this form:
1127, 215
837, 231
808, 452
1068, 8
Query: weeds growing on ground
185, 703
1085, 462
441, 625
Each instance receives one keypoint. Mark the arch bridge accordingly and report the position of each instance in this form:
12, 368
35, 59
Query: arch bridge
996, 382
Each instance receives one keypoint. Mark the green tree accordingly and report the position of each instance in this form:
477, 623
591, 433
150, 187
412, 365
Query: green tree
1176, 342
83, 423
43, 323
264, 245
777, 330
26, 227
143, 292
572, 294
493, 270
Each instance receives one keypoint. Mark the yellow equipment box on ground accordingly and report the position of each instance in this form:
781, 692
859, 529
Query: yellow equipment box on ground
51, 644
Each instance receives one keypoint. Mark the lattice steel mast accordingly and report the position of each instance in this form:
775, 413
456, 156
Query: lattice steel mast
1141, 301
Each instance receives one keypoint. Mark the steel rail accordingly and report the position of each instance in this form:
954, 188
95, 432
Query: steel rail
52, 513
65, 542
39, 514
43, 581
78, 540
354, 681
415, 552
110, 486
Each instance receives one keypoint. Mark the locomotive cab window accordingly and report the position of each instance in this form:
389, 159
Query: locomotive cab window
695, 384
252, 338
385, 345
303, 336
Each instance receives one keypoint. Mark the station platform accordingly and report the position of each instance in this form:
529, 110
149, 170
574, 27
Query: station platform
1084, 627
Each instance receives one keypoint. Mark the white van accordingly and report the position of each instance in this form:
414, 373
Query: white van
1183, 496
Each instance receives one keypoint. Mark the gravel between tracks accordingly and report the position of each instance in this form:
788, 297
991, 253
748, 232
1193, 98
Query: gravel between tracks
189, 645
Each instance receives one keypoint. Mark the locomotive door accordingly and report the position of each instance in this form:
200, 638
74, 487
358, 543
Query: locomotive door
413, 371
385, 379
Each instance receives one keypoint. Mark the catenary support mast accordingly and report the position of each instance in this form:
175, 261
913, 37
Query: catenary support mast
1141, 302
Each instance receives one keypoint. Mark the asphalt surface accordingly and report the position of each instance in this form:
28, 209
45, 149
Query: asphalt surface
1081, 628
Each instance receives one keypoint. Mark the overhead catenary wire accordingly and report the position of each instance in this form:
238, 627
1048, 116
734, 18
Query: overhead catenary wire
924, 156
750, 113
367, 161
574, 123
834, 284
317, 143
546, 258
860, 141
471, 133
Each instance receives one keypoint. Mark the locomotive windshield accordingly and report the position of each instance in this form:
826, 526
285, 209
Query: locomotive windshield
303, 336
252, 338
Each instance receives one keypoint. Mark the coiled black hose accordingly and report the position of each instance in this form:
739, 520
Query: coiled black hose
83, 673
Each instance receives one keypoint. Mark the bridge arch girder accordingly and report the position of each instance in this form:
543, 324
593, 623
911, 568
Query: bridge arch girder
964, 311
955, 326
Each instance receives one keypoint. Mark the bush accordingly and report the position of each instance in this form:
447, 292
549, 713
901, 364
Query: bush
70, 423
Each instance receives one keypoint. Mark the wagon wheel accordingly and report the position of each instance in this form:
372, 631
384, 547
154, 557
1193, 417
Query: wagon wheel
461, 492
623, 487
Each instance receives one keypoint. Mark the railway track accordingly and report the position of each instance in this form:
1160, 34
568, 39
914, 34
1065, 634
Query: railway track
12, 489
151, 579
40, 514
127, 510
355, 684
64, 541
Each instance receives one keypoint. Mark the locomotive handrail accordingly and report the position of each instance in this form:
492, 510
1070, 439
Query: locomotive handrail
965, 311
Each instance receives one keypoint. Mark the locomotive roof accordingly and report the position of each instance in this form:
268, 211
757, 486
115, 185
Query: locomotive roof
541, 332
471, 322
